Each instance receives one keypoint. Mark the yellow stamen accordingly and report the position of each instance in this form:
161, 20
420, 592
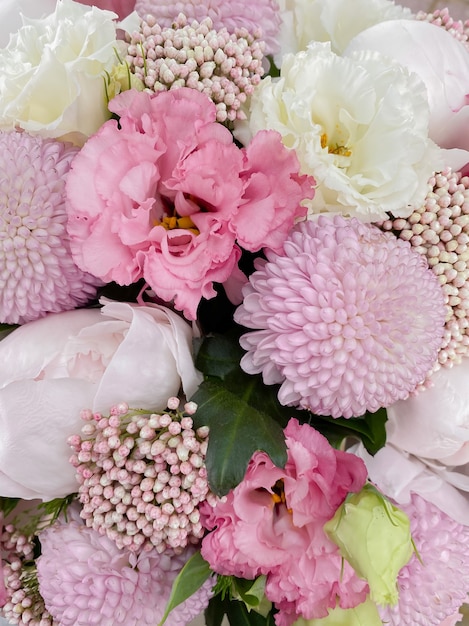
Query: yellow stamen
339, 150
171, 222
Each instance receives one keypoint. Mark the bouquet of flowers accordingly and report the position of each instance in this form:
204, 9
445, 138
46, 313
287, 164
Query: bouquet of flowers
234, 304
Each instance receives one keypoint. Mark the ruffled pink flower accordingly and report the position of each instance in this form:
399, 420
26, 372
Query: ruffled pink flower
155, 197
263, 15
121, 7
272, 524
84, 578
433, 587
347, 319
37, 271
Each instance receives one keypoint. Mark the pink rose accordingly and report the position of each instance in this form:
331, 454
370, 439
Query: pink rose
156, 197
272, 524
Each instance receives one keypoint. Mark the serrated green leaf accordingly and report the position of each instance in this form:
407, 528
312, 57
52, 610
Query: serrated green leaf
238, 428
192, 576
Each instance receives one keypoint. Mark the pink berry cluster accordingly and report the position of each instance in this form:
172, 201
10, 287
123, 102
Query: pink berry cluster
441, 17
142, 476
439, 230
24, 604
225, 66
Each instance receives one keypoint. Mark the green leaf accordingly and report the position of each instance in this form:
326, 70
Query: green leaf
219, 355
251, 592
370, 428
216, 611
192, 576
238, 428
238, 615
7, 505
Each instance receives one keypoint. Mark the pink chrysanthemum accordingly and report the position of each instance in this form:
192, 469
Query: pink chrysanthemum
83, 574
439, 231
37, 272
229, 14
348, 319
433, 587
224, 66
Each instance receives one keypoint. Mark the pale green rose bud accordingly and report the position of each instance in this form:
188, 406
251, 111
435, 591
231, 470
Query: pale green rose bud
365, 614
121, 79
374, 536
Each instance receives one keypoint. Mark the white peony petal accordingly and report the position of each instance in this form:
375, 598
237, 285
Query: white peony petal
435, 423
36, 418
398, 475
32, 347
145, 370
442, 63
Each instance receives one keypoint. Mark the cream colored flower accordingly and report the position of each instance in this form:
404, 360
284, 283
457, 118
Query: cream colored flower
52, 72
337, 21
359, 125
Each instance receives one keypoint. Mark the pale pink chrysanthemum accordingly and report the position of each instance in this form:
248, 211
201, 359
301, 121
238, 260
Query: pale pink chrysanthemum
37, 272
229, 14
84, 574
435, 586
348, 319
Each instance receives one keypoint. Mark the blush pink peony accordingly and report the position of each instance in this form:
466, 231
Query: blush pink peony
272, 524
157, 196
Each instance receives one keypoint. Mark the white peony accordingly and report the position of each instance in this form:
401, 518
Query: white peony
337, 21
434, 424
52, 368
52, 72
442, 63
359, 125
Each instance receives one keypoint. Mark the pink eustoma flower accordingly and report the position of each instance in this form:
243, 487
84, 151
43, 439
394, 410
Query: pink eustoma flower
162, 196
272, 524
121, 7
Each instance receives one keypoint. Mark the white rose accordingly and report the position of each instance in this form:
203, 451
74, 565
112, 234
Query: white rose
359, 125
52, 368
51, 72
